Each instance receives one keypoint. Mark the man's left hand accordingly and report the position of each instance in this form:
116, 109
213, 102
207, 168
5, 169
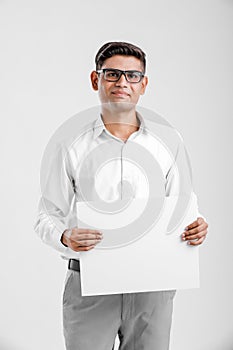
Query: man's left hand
196, 232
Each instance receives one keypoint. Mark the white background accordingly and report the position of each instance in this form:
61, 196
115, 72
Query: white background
47, 54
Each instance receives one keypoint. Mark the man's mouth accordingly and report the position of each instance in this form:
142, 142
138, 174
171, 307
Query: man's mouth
120, 93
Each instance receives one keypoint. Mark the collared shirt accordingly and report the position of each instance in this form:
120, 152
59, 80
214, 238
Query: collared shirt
98, 165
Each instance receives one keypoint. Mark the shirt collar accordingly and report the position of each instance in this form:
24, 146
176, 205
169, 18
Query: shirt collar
99, 126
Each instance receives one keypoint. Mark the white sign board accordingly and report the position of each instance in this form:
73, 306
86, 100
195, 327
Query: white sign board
154, 261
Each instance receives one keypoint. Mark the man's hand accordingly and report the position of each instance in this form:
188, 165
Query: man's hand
81, 239
196, 232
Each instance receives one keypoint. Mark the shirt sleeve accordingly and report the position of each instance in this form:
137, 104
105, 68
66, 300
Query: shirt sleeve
55, 205
179, 177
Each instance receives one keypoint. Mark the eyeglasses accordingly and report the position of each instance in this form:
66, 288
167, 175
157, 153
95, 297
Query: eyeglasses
132, 76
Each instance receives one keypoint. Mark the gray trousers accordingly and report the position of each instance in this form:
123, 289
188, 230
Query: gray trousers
141, 320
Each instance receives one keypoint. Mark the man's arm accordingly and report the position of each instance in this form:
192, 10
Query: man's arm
55, 212
56, 197
179, 178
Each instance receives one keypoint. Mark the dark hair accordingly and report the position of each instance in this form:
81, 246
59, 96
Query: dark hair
119, 48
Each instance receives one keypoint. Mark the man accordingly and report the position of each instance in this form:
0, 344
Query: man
141, 320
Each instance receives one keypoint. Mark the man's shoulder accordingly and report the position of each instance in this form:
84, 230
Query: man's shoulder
159, 127
77, 135
164, 133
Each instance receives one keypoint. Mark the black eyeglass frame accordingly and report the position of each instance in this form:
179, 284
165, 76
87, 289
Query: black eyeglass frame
124, 72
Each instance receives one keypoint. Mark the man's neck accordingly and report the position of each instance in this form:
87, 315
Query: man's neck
120, 123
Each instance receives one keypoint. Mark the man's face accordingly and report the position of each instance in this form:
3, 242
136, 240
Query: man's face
121, 90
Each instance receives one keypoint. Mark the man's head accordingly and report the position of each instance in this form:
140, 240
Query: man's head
120, 73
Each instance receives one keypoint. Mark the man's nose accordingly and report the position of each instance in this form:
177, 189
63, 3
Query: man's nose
122, 81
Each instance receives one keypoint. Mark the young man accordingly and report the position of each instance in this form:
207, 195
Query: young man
142, 320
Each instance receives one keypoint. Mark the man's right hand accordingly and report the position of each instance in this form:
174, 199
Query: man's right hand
81, 239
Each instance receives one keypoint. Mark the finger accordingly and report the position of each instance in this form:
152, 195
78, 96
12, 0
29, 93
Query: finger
77, 237
87, 230
194, 223
87, 243
81, 246
193, 231
88, 236
196, 236
84, 249
197, 242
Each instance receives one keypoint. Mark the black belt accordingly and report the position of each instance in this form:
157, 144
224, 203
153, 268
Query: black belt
74, 265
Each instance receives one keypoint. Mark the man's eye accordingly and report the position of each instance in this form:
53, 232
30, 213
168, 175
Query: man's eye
112, 74
132, 75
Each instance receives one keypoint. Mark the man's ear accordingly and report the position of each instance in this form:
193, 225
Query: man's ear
144, 85
94, 80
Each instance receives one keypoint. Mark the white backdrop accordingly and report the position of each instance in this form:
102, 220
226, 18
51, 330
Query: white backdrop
47, 54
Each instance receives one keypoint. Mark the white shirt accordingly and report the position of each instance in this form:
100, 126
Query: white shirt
96, 166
